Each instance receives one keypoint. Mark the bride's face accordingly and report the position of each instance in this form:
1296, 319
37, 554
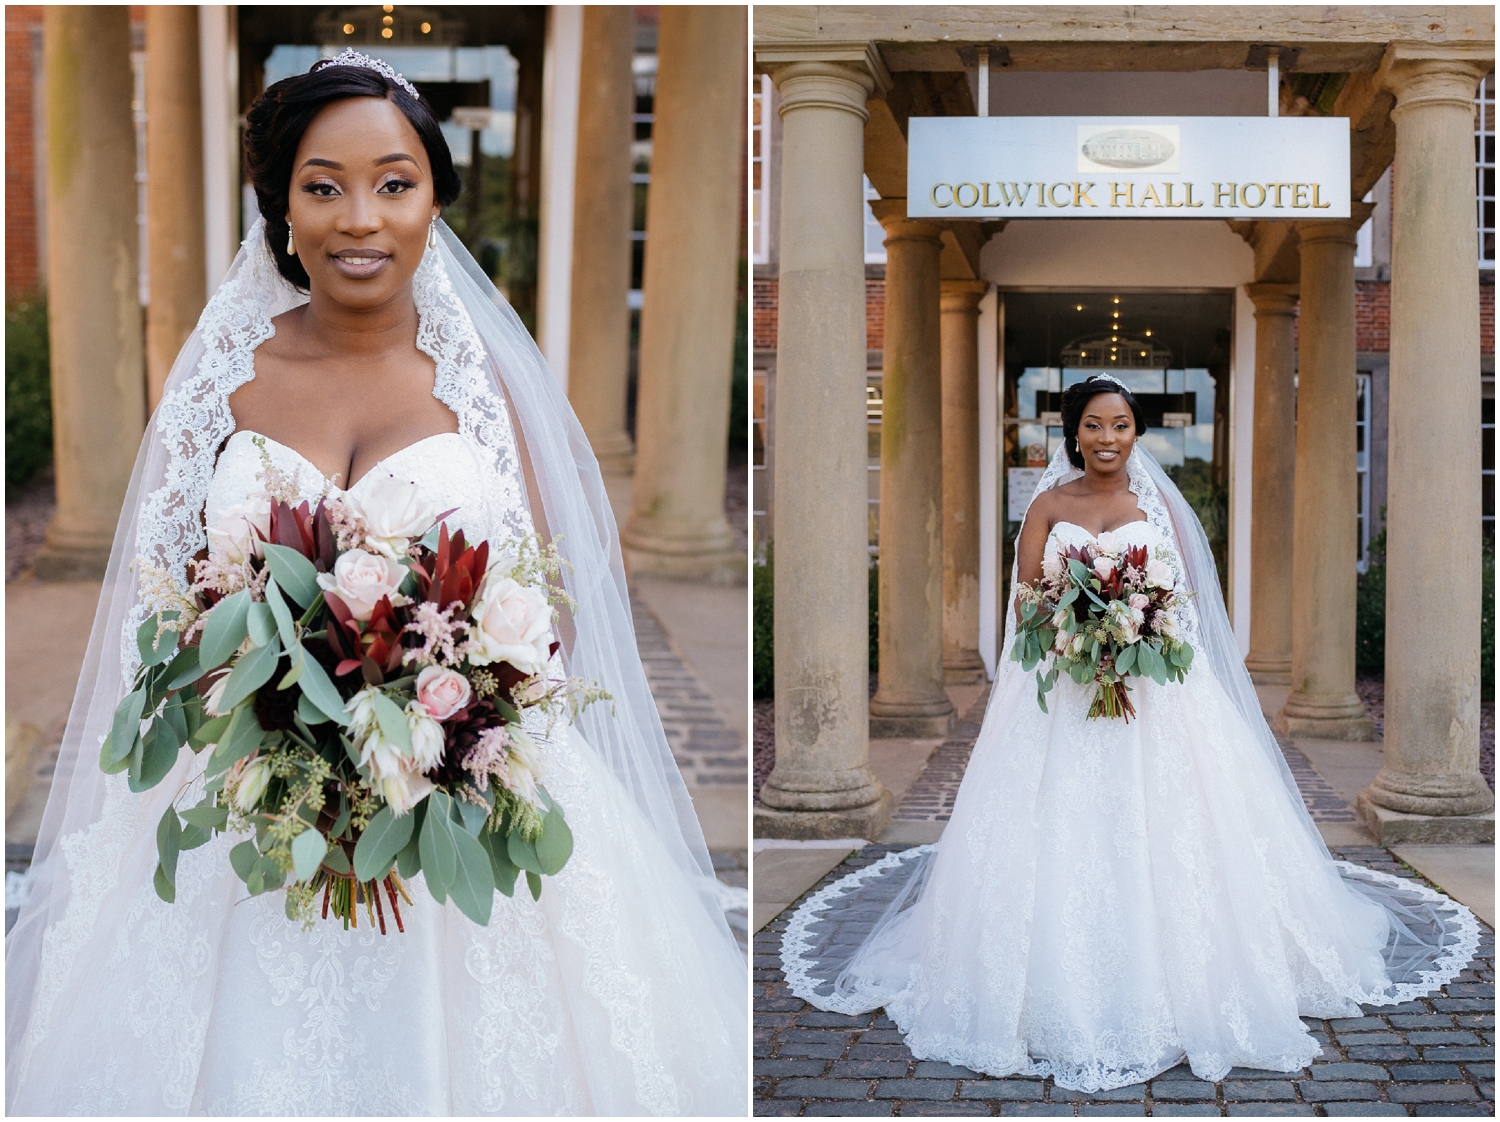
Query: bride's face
360, 202
1106, 434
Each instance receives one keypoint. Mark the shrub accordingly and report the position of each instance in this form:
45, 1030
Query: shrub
874, 616
28, 392
763, 665
1369, 608
1487, 625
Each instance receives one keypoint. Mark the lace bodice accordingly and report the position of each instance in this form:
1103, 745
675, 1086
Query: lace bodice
449, 470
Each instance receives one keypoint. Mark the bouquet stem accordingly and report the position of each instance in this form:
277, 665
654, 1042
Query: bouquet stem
1112, 700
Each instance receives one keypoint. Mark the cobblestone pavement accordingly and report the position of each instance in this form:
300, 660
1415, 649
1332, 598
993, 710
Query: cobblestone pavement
1428, 1058
708, 752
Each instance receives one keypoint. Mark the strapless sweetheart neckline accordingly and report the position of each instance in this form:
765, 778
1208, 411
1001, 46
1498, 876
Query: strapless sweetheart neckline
371, 470
1096, 537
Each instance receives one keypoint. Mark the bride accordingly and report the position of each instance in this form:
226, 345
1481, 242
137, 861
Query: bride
1110, 898
355, 340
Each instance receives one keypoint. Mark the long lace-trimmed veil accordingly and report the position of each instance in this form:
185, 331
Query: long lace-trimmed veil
95, 853
1430, 938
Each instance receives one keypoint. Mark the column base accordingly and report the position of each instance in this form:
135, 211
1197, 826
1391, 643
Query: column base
616, 454
1438, 795
911, 720
705, 559
1325, 718
963, 668
1269, 671
60, 564
1394, 827
808, 825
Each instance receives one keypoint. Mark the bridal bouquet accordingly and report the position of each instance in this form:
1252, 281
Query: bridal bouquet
358, 678
1103, 613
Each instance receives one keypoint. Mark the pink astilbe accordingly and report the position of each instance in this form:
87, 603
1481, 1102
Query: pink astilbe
490, 757
440, 633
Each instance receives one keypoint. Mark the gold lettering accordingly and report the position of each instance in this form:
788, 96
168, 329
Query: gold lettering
1245, 195
1052, 194
1151, 196
1115, 192
1220, 190
959, 199
1169, 201
1280, 187
1041, 194
1317, 193
987, 197
1189, 200
1014, 194
1299, 196
934, 191
1081, 194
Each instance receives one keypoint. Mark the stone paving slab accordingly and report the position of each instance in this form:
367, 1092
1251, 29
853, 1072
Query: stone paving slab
1433, 1057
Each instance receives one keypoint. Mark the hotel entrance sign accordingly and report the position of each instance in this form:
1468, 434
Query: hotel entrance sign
1128, 167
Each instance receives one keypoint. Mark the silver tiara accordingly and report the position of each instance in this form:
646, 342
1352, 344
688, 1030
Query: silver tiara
350, 57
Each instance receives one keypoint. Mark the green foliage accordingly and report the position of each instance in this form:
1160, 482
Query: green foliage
28, 392
739, 393
1487, 625
874, 616
1210, 502
763, 667
1369, 608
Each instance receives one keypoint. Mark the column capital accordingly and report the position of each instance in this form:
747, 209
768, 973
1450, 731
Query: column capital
963, 296
1273, 299
1335, 229
1432, 74
891, 214
852, 60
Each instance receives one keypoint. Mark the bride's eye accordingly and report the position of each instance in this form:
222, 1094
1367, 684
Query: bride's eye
322, 190
396, 186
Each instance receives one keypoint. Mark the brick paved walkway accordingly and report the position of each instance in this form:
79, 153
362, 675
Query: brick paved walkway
1433, 1057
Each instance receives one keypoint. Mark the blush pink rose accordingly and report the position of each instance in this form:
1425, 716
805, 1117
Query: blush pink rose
442, 692
1159, 574
1139, 601
515, 625
1103, 567
360, 579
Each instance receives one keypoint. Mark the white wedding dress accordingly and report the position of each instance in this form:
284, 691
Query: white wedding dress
1110, 898
619, 992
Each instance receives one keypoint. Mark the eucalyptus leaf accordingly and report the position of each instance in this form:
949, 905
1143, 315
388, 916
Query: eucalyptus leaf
252, 671
209, 817
337, 860
261, 624
534, 883
523, 853
308, 849
341, 823
127, 726
183, 668
169, 843
159, 750
256, 881
501, 866
473, 887
209, 732
243, 859
283, 615
295, 574
385, 836
154, 650
307, 711
436, 846
319, 689
392, 722
1126, 660
474, 816
193, 837
164, 888
224, 629
555, 845
241, 738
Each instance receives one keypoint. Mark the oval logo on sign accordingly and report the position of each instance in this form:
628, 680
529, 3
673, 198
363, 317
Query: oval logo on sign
1128, 149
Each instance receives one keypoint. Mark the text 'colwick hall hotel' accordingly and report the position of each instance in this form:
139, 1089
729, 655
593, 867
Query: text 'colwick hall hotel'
1274, 224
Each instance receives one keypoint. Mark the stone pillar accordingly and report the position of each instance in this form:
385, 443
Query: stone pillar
1431, 764
599, 328
1274, 466
1325, 538
822, 785
676, 526
960, 451
93, 293
174, 188
910, 700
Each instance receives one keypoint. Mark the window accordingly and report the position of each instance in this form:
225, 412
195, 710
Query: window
1364, 241
1362, 466
759, 479
874, 410
1484, 168
643, 69
874, 232
760, 139
1487, 461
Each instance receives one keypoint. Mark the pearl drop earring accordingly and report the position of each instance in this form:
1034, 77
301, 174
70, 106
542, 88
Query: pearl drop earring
432, 238
291, 246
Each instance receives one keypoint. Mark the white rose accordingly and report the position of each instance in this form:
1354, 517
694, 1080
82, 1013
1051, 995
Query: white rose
360, 579
426, 737
394, 512
441, 692
515, 625
1159, 575
233, 538
254, 778
1103, 567
1107, 543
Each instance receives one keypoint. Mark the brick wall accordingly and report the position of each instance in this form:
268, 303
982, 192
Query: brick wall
1372, 317
22, 267
1487, 318
763, 314
874, 315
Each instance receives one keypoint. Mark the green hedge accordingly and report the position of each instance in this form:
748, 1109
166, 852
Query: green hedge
28, 392
763, 666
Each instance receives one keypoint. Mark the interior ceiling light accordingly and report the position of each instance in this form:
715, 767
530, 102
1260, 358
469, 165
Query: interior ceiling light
426, 27
1148, 331
1117, 299
1078, 307
386, 32
348, 29
388, 20
387, 7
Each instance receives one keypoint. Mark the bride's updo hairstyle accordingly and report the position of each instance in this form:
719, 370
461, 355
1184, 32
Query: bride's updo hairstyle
276, 122
1076, 398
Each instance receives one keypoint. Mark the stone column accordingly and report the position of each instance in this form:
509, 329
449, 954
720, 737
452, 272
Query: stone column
1274, 466
599, 328
174, 188
1325, 537
1431, 764
94, 310
676, 527
960, 451
822, 785
910, 700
